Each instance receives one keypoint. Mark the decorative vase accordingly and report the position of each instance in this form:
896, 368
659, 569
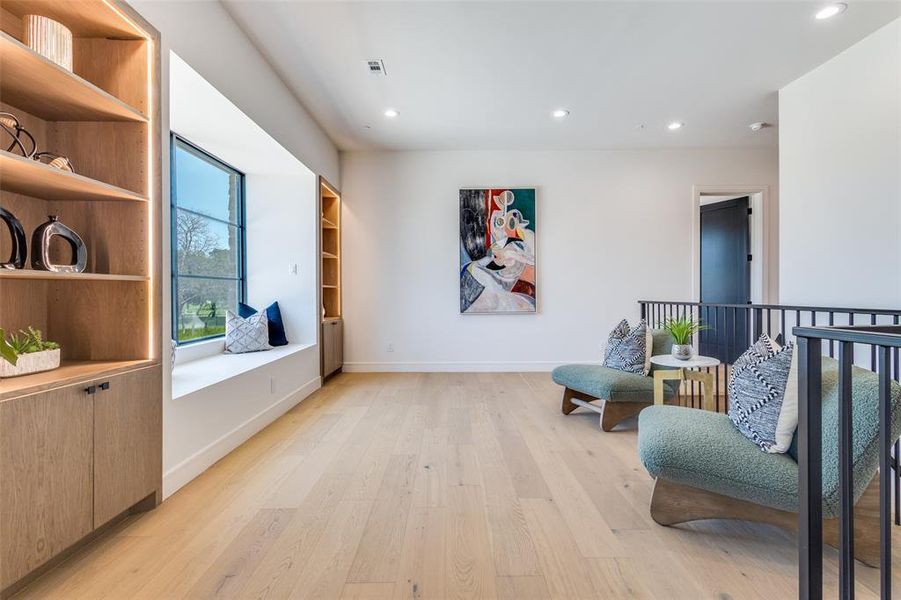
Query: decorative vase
10, 124
40, 247
32, 362
683, 351
49, 38
17, 235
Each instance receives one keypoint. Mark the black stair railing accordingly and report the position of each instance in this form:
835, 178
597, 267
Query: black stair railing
734, 327
884, 342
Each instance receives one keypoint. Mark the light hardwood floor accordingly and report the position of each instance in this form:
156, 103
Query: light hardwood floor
430, 486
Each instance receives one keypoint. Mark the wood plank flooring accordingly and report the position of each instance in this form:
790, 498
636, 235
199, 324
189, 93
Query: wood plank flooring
417, 486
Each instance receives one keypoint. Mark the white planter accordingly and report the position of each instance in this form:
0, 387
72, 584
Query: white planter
33, 362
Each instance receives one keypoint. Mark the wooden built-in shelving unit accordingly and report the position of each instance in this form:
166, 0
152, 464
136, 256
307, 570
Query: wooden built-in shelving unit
331, 250
53, 93
82, 442
32, 178
69, 372
332, 339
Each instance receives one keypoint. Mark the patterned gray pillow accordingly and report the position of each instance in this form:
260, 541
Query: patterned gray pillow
246, 335
757, 391
628, 349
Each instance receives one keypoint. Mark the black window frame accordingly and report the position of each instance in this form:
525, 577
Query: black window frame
241, 279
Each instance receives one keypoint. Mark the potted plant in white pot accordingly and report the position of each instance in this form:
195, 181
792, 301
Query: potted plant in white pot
26, 352
682, 329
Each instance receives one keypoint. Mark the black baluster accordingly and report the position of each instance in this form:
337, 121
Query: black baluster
831, 342
845, 470
872, 346
810, 470
885, 433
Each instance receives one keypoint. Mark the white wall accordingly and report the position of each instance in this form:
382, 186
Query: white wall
840, 188
613, 227
216, 401
208, 39
203, 427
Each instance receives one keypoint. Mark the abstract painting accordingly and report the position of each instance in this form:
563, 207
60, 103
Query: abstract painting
497, 251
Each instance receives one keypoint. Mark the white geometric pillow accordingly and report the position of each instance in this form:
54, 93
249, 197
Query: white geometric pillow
759, 406
246, 335
629, 349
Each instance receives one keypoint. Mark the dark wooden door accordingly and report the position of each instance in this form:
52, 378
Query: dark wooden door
726, 277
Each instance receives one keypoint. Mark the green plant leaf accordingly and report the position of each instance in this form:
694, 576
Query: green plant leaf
7, 351
683, 328
29, 341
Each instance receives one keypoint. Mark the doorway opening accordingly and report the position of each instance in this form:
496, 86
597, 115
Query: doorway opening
731, 256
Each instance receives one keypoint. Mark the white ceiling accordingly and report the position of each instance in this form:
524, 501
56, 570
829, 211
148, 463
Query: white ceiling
486, 75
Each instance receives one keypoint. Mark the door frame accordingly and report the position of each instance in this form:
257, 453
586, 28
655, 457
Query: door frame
768, 251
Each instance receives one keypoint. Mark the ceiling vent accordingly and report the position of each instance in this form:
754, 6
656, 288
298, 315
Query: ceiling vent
376, 67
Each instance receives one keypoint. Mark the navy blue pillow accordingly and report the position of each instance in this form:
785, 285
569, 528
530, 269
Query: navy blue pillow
274, 316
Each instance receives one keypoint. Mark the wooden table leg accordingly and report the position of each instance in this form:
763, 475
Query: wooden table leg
706, 380
661, 375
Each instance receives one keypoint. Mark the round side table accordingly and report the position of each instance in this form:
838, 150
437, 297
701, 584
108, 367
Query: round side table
680, 370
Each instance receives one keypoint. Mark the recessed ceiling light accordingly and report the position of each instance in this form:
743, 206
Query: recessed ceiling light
675, 125
560, 113
827, 12
391, 113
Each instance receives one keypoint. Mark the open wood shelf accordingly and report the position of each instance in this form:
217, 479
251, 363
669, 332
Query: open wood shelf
53, 93
52, 276
68, 373
85, 18
330, 249
32, 178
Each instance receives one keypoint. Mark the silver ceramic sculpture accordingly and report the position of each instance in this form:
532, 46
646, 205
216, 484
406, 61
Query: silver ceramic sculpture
17, 235
40, 247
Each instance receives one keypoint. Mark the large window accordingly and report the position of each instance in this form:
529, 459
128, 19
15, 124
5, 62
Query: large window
208, 275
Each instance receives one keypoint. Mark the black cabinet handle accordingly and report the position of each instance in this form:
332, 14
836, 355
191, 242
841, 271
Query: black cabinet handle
90, 390
104, 385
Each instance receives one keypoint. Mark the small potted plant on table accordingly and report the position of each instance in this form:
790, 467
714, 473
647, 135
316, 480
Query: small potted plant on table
682, 329
26, 352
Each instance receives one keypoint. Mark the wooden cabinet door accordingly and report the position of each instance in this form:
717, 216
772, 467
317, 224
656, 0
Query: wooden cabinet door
327, 345
45, 477
332, 346
338, 344
127, 441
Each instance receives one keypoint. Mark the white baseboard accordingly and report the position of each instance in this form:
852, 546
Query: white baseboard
203, 459
453, 367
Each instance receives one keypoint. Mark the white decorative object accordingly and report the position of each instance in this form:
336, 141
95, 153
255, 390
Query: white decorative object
172, 355
32, 362
49, 38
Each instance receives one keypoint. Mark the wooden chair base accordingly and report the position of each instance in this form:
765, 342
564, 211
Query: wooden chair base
612, 413
674, 503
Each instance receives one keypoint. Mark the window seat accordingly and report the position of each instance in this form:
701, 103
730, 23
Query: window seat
198, 374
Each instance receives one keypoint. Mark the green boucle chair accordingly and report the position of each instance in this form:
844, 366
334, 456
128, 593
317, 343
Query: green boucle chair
706, 469
624, 394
